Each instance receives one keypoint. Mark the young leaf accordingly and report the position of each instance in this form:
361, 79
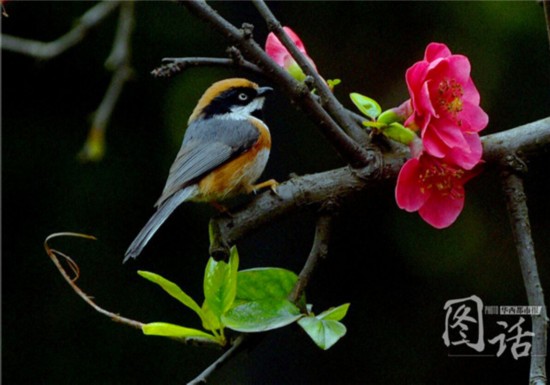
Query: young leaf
389, 116
369, 107
399, 133
210, 321
323, 332
261, 283
333, 83
335, 313
174, 290
220, 283
262, 315
175, 331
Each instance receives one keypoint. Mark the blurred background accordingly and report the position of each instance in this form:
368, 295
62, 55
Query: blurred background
395, 270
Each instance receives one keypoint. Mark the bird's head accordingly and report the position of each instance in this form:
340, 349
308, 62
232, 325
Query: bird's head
234, 98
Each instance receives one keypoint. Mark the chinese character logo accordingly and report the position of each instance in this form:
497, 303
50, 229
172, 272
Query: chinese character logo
516, 333
464, 326
464, 323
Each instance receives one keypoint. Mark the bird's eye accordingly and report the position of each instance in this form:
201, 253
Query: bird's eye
243, 96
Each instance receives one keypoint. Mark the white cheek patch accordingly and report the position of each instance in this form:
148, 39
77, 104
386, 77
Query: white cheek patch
244, 112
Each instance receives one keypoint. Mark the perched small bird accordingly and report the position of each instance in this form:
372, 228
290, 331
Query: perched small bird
224, 151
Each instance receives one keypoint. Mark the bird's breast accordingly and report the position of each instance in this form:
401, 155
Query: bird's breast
239, 174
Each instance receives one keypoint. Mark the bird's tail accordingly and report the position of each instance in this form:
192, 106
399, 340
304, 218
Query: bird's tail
158, 218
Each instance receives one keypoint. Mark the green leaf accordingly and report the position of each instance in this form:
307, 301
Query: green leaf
390, 116
335, 313
295, 71
262, 315
399, 133
369, 107
263, 283
333, 83
210, 321
175, 331
323, 332
375, 125
220, 283
172, 289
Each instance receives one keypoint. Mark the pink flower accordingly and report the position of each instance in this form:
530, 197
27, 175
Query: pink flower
446, 106
277, 51
433, 187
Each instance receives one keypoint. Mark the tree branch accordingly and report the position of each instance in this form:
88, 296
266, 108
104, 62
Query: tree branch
546, 9
238, 345
526, 139
46, 51
297, 92
521, 229
52, 253
118, 61
175, 65
297, 193
333, 106
339, 183
319, 251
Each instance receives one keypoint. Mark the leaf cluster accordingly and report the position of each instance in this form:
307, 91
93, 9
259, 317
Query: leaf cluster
247, 301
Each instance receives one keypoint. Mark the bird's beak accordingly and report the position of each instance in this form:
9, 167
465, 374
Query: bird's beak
262, 91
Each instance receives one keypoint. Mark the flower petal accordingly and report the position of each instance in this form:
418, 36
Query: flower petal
433, 144
295, 38
459, 68
441, 211
408, 193
415, 77
471, 93
450, 133
474, 115
275, 49
467, 159
436, 51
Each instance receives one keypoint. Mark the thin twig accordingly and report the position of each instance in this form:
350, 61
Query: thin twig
298, 92
52, 253
118, 61
521, 229
546, 8
175, 65
319, 251
235, 348
333, 106
49, 50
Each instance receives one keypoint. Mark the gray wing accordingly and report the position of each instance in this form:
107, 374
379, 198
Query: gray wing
206, 145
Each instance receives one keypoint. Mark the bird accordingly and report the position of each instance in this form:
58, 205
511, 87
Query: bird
223, 153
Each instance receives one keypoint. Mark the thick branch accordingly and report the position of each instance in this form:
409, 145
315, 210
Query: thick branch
45, 51
523, 140
335, 184
298, 92
299, 192
521, 229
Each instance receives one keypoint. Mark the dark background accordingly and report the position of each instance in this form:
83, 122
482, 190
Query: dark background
396, 271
